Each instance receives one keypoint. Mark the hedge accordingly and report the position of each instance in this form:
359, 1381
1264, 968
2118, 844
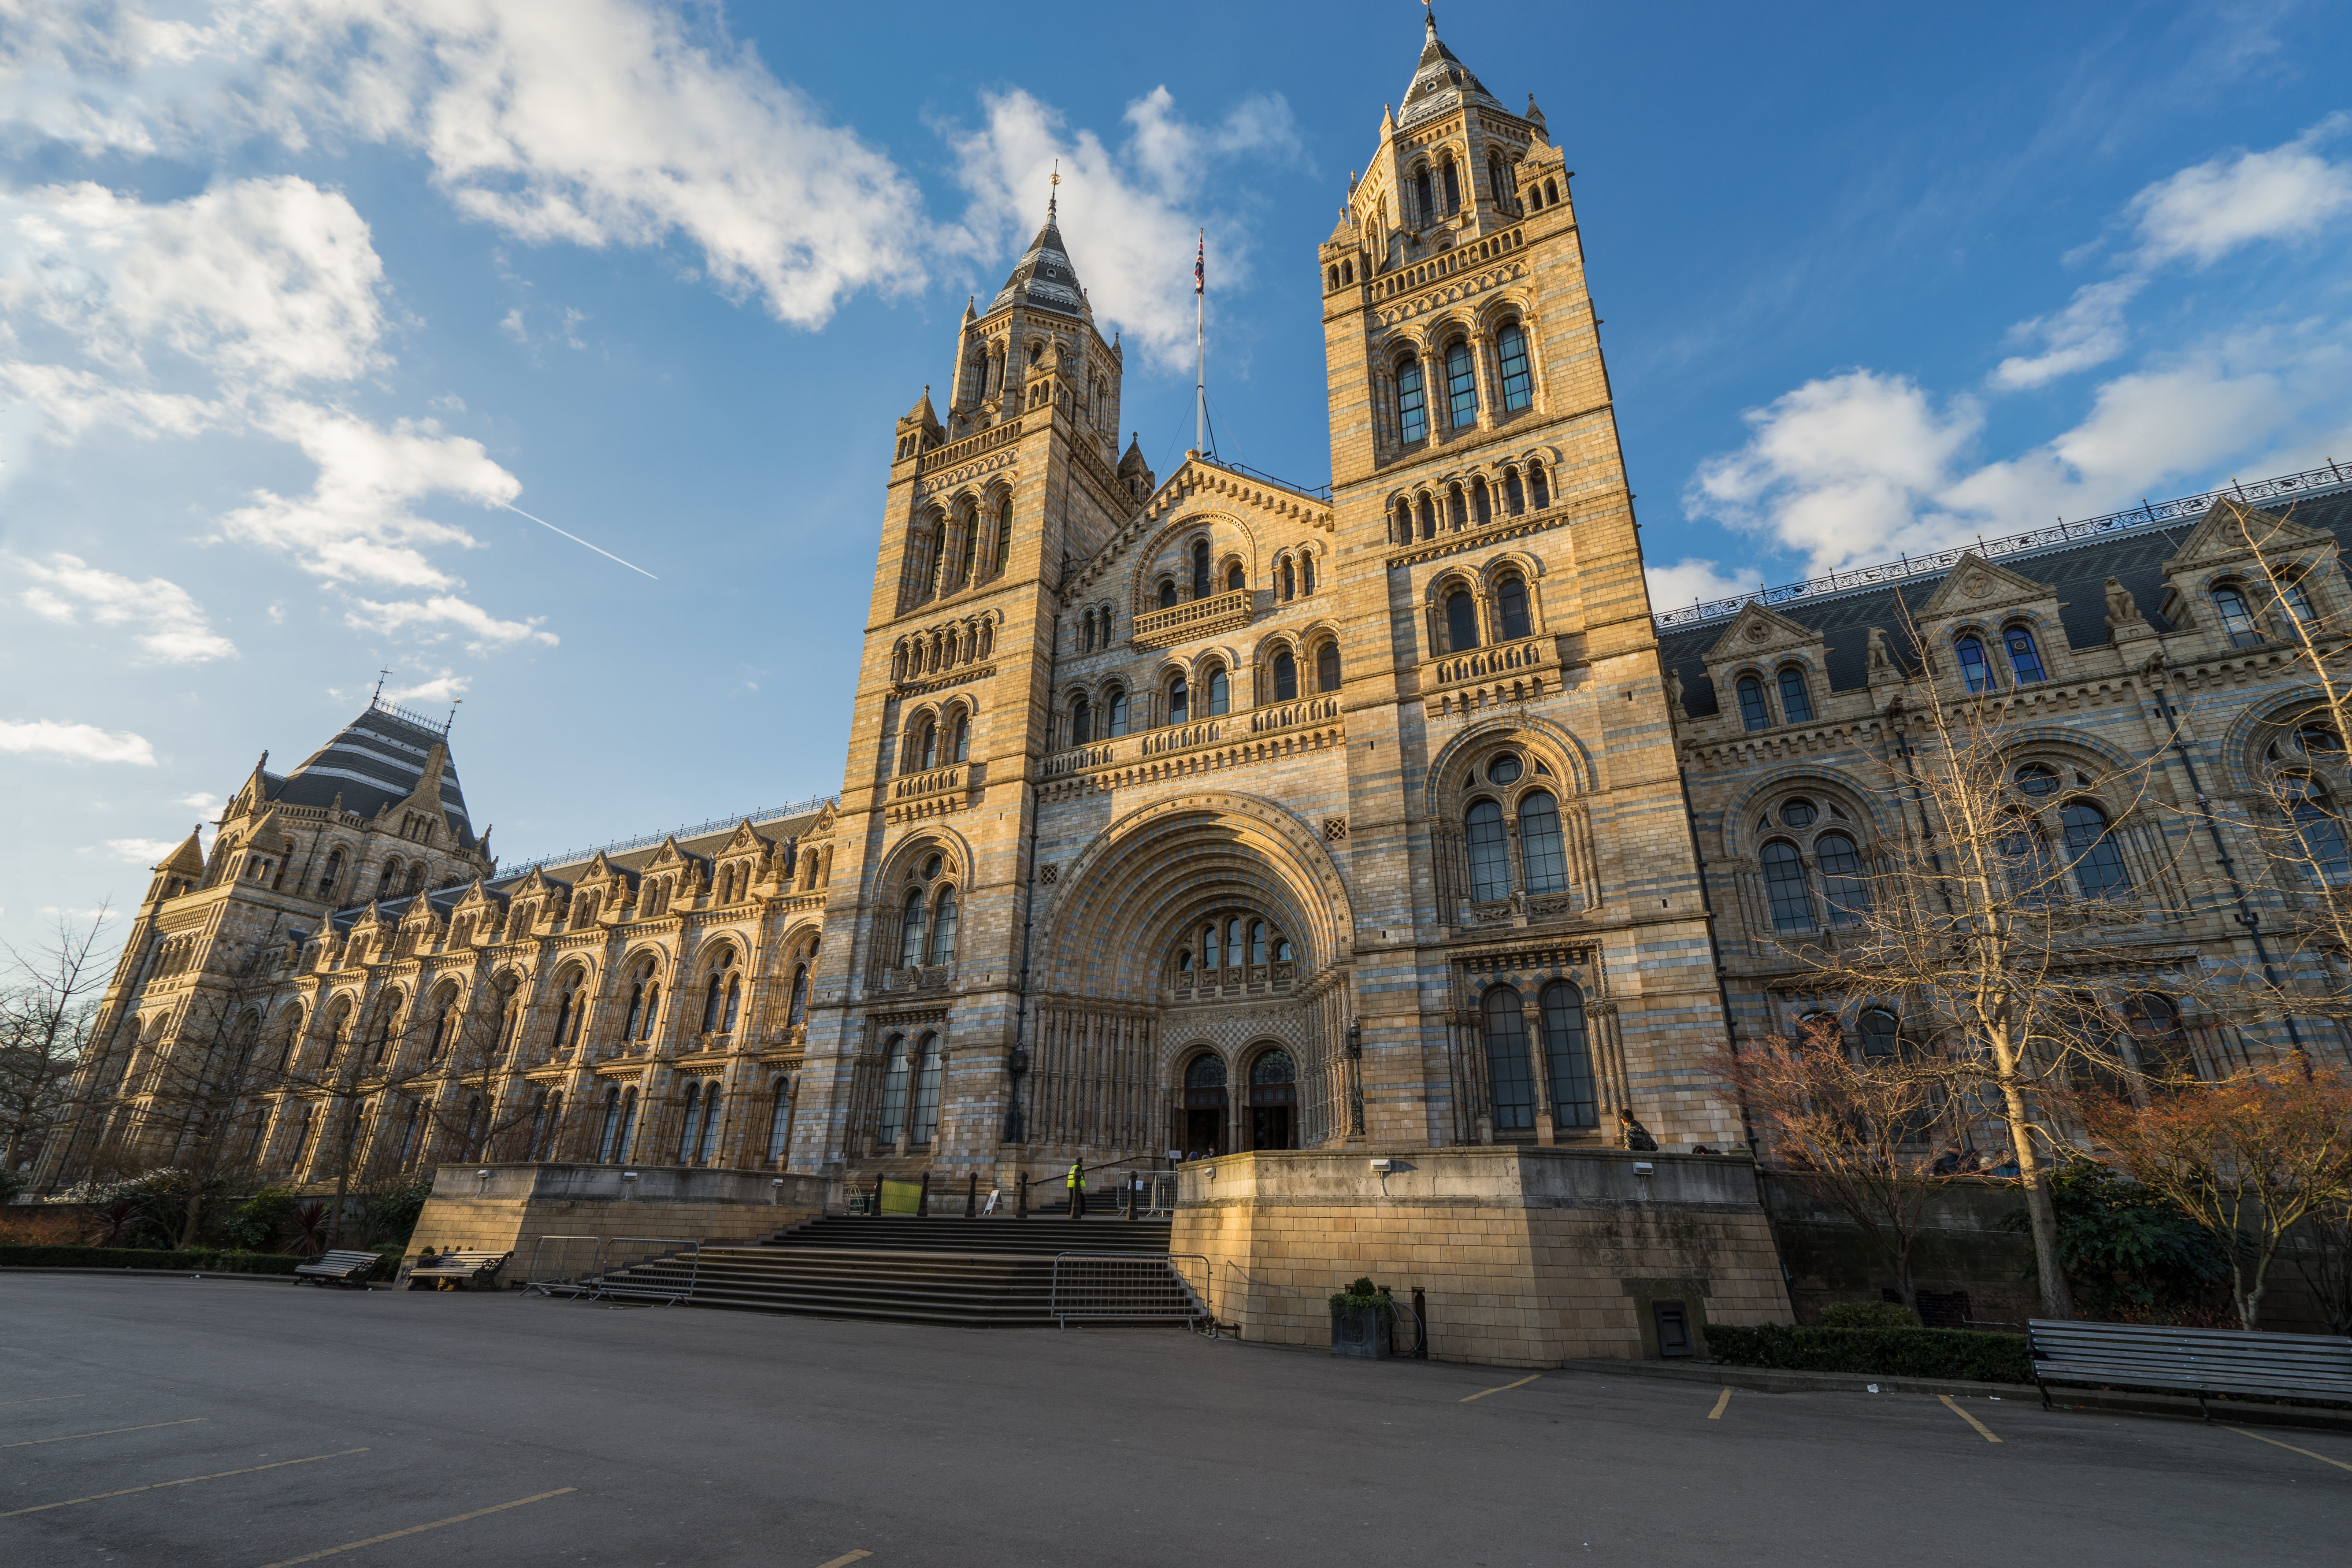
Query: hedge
203, 1260
1886, 1352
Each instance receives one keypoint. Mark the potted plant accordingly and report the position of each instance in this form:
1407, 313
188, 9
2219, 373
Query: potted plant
1360, 1317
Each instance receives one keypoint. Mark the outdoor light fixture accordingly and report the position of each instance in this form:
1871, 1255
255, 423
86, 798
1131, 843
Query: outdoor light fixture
776, 1191
1642, 1167
626, 1177
1382, 1166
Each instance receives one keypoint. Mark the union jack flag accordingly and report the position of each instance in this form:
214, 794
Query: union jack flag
1201, 267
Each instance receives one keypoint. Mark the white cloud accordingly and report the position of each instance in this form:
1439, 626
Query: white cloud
76, 742
202, 800
445, 686
487, 631
1131, 215
1691, 579
141, 851
174, 627
2206, 211
2088, 332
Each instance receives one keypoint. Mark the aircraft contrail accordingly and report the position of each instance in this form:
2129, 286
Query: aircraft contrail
577, 539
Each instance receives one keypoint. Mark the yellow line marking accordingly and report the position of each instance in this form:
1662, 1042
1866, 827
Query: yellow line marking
110, 1431
1505, 1389
418, 1529
1716, 1414
846, 1559
183, 1481
1983, 1429
2291, 1448
45, 1399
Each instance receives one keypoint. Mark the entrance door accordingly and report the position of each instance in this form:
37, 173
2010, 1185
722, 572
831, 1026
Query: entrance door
1269, 1127
1205, 1131
1273, 1094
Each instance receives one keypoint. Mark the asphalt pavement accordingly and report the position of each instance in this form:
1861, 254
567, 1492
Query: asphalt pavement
244, 1425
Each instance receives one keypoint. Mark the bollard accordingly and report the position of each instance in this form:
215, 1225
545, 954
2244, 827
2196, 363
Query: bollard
1420, 1324
923, 1198
972, 1197
1132, 1207
1022, 1212
877, 1197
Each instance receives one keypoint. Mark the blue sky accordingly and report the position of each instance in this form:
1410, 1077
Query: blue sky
297, 298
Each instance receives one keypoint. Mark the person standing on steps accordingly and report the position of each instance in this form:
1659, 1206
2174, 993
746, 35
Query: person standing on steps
1077, 1185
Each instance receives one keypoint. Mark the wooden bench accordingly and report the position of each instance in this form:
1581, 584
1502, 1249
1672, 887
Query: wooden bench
339, 1269
460, 1271
2202, 1361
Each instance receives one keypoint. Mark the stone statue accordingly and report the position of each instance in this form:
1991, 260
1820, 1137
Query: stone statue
1882, 663
2121, 608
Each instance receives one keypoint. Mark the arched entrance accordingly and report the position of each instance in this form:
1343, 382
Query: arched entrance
1203, 1113
1273, 1099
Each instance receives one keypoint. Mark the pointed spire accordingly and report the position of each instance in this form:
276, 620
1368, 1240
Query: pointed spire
1043, 278
971, 302
1440, 81
188, 860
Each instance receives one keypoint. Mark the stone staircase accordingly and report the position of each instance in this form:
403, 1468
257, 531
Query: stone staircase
976, 1273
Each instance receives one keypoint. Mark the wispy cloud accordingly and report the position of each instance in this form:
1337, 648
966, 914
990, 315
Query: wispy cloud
172, 628
74, 742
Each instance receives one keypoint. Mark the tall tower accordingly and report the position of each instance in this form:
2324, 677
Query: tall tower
914, 1009
1512, 766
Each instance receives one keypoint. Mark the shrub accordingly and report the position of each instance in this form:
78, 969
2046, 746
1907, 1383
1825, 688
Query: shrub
43, 1224
1886, 1352
260, 1220
1868, 1315
1363, 1296
206, 1260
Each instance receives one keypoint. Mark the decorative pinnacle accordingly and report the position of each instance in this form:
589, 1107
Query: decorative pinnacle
1053, 196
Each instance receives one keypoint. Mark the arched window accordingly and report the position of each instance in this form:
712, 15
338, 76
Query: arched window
1786, 887
2025, 658
1452, 187
926, 1092
1975, 668
327, 878
1515, 496
967, 566
2319, 740
562, 1015
1167, 593
1538, 486
1422, 206
734, 1004
711, 997
1285, 677
2158, 1040
1551, 192
1569, 1057
389, 883
1880, 1031
2025, 859
1511, 349
1205, 1072
440, 1030
692, 1124
1179, 701
2317, 829
1235, 581
1461, 387
2296, 602
1510, 1076
1201, 569
1413, 410
894, 1088
1115, 712
1482, 509
927, 747
1221, 688
2098, 860
1841, 883
1209, 950
1539, 845
2036, 779
910, 927
1511, 604
2236, 619
1490, 854
1327, 667
1461, 621
798, 1013
1796, 702
1288, 580
1307, 574
628, 1030
1082, 721
1753, 713
1258, 942
780, 1121
943, 928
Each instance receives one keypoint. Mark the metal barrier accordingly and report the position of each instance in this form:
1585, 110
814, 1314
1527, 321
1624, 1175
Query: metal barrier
1128, 1286
1158, 1188
624, 1254
546, 1276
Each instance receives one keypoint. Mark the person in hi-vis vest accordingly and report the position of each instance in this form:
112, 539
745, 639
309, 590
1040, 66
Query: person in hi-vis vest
1077, 1181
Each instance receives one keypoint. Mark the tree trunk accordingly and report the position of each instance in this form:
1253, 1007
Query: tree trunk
2057, 1301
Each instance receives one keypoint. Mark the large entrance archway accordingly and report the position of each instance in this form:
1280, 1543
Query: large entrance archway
1272, 1099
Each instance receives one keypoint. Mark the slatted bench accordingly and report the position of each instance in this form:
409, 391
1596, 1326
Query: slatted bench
2202, 1361
460, 1271
339, 1269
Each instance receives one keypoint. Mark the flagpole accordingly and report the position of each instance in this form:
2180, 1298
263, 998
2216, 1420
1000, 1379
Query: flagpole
1200, 347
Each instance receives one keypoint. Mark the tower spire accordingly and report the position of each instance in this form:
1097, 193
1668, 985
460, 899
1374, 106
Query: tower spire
1053, 194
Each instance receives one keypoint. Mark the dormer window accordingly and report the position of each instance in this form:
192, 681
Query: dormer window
1753, 713
2025, 658
2297, 602
1975, 668
2237, 621
1796, 702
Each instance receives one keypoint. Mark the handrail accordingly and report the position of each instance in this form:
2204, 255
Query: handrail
2147, 514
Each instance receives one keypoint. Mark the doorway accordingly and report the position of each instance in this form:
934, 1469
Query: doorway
1272, 1095
1205, 1105
1269, 1127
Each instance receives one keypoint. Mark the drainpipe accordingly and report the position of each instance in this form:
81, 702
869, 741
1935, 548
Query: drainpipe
2247, 915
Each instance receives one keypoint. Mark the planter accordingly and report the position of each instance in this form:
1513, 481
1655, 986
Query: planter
1361, 1332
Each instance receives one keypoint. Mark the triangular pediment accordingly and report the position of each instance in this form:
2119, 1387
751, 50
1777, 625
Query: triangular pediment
1759, 629
744, 838
669, 854
2231, 529
1976, 583
824, 824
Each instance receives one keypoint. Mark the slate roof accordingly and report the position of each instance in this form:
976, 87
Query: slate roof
2079, 571
376, 760
1441, 83
1043, 278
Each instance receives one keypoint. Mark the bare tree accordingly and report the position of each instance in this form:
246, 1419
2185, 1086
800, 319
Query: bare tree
45, 1018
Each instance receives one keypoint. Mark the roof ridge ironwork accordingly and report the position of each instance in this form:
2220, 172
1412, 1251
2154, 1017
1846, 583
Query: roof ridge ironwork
2146, 515
808, 807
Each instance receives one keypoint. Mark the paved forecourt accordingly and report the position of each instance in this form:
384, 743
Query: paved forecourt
236, 1424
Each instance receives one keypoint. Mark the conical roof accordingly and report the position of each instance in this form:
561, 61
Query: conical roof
377, 759
1441, 83
1044, 280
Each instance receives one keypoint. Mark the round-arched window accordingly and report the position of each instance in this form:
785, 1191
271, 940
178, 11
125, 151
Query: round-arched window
1503, 769
1205, 1072
1461, 621
2035, 778
1274, 1067
1285, 677
1798, 812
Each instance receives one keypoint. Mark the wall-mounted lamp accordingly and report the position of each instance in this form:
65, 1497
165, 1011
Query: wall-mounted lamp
627, 1189
776, 1193
1642, 1167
